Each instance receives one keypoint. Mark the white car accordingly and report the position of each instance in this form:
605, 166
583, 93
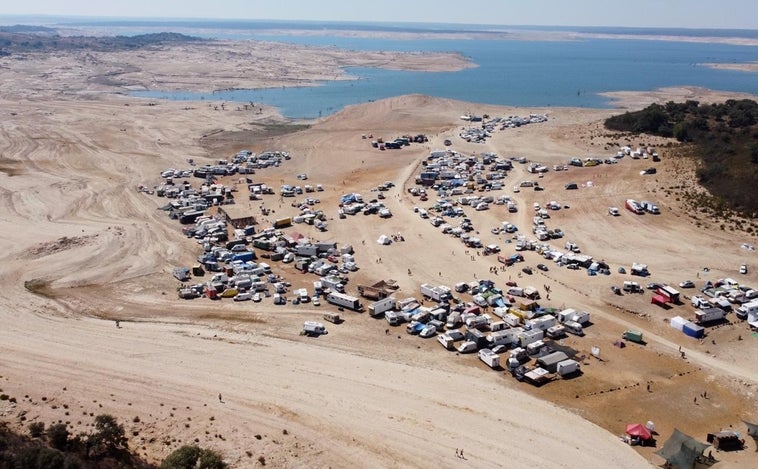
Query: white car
316, 301
687, 284
613, 211
743, 269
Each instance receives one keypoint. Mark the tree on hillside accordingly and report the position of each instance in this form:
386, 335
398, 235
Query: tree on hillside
109, 438
193, 457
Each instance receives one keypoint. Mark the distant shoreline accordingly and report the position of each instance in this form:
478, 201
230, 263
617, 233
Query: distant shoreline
396, 30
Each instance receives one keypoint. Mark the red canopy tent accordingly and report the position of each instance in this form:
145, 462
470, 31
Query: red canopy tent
638, 430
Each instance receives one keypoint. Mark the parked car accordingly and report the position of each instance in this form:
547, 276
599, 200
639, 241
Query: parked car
542, 267
743, 269
527, 270
687, 284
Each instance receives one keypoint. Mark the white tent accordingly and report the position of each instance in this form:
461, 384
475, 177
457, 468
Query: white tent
384, 239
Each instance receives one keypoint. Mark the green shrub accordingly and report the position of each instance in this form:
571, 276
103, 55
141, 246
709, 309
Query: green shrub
36, 429
193, 457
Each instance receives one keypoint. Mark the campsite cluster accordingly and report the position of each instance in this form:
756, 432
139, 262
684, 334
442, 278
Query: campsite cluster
506, 326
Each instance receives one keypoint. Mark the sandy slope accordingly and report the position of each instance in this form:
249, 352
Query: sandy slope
357, 396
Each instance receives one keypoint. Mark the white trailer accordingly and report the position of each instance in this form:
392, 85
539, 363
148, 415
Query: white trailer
527, 337
566, 367
439, 293
378, 308
542, 323
511, 319
708, 315
566, 315
490, 358
504, 337
343, 300
582, 317
556, 331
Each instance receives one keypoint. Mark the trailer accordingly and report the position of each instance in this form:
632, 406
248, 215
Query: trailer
439, 293
372, 293
556, 332
542, 323
527, 337
505, 337
378, 308
632, 336
567, 367
582, 317
344, 301
334, 318
709, 315
490, 358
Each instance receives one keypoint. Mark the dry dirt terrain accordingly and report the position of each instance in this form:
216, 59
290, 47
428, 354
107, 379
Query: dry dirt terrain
83, 247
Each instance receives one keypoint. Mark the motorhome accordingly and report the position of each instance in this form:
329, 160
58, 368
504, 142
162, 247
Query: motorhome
490, 358
574, 327
312, 328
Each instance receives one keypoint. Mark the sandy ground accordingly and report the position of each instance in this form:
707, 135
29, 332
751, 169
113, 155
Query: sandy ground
95, 250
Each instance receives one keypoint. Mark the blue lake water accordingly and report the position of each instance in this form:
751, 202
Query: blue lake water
519, 73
